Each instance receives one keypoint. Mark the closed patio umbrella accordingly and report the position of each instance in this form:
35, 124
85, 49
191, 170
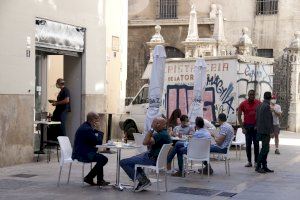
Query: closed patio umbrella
196, 108
156, 85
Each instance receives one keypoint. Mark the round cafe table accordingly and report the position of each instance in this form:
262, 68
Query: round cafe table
118, 146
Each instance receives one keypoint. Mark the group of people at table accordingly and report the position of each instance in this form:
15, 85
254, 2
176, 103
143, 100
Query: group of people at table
89, 135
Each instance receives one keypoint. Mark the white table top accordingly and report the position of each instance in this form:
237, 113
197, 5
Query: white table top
179, 139
118, 145
47, 122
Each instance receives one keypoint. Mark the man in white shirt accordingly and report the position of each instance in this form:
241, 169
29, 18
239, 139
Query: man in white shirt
223, 139
181, 147
276, 113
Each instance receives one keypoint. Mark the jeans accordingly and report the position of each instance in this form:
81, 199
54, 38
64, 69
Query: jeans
265, 147
179, 149
128, 165
98, 168
63, 118
251, 137
215, 149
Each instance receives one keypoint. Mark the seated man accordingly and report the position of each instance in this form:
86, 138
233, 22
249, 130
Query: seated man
181, 147
222, 139
154, 141
184, 128
87, 136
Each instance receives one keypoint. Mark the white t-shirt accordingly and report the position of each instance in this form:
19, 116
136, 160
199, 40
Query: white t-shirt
277, 109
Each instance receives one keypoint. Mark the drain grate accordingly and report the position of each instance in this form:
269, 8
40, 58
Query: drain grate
226, 194
195, 191
24, 175
9, 184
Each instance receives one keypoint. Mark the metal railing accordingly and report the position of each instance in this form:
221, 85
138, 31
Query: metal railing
266, 7
167, 9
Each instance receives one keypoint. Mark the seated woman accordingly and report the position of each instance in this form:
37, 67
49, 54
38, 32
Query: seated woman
174, 119
181, 147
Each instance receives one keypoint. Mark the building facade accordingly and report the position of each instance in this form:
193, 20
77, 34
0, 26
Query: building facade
271, 25
85, 42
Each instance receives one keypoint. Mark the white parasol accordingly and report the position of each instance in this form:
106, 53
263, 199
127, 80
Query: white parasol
156, 85
196, 108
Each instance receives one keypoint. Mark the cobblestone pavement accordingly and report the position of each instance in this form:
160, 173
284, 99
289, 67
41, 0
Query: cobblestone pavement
38, 180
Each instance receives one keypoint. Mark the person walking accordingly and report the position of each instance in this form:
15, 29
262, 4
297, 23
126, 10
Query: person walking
248, 108
276, 113
62, 105
264, 124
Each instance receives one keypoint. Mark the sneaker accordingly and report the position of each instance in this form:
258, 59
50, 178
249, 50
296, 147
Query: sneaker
249, 164
89, 181
177, 174
255, 164
142, 186
103, 183
169, 166
260, 170
268, 170
277, 151
205, 171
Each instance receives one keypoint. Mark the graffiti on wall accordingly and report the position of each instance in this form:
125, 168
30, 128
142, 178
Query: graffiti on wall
257, 77
220, 91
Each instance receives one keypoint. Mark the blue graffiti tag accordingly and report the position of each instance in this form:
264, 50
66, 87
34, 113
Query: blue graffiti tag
225, 93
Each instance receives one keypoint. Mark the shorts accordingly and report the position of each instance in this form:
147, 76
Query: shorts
276, 129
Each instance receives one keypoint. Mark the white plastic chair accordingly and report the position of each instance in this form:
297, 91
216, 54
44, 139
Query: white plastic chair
198, 150
161, 165
226, 157
66, 157
139, 138
239, 141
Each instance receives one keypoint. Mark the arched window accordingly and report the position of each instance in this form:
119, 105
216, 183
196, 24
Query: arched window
173, 52
167, 9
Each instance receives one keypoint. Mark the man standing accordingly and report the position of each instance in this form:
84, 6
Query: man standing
154, 141
264, 132
276, 112
87, 136
62, 105
248, 108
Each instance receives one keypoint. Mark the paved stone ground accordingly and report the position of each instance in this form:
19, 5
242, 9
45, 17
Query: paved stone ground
283, 184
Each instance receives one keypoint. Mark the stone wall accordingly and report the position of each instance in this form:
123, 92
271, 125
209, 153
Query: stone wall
16, 129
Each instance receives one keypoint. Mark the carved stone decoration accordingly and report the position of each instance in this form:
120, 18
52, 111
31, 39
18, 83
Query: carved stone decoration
193, 26
244, 45
295, 44
156, 39
219, 26
213, 11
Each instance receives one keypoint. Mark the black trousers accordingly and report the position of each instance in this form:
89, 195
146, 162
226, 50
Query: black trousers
265, 147
98, 168
251, 138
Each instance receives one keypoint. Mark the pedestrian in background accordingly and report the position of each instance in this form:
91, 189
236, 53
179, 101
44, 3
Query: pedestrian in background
276, 112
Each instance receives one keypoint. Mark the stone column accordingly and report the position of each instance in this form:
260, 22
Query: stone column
294, 110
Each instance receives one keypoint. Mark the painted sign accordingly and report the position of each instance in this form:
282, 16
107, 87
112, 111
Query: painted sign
220, 90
